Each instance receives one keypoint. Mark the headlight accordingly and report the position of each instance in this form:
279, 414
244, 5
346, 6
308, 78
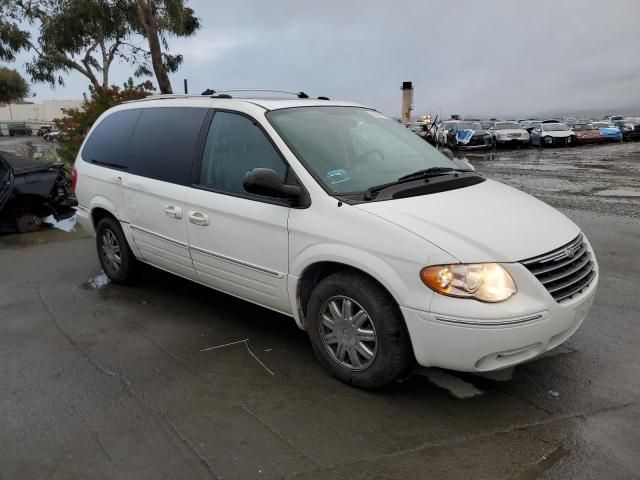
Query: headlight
488, 282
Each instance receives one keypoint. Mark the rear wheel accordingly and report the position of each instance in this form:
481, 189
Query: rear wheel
357, 331
116, 258
28, 223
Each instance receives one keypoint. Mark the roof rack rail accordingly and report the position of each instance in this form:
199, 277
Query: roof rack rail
164, 96
220, 94
259, 90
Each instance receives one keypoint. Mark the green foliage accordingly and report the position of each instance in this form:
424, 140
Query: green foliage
77, 121
87, 36
12, 86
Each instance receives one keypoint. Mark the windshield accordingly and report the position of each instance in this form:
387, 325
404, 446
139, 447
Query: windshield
555, 127
506, 126
351, 149
583, 126
602, 125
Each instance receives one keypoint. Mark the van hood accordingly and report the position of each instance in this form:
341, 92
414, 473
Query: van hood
487, 222
557, 133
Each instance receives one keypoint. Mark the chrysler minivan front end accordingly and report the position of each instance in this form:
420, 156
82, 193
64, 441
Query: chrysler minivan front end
532, 307
520, 276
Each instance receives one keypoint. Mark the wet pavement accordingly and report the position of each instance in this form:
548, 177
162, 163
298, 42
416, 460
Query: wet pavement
168, 379
596, 178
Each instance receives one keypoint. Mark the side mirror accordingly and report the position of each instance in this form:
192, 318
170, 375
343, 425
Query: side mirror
266, 182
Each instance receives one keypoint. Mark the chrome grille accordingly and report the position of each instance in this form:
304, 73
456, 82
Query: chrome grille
566, 271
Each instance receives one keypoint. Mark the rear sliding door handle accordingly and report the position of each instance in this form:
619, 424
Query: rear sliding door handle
198, 218
173, 211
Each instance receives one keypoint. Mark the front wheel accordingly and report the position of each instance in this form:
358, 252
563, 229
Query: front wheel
357, 331
116, 258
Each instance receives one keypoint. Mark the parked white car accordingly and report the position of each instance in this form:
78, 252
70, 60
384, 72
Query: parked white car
509, 133
552, 134
378, 245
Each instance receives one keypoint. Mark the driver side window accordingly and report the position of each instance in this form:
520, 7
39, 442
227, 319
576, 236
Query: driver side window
235, 145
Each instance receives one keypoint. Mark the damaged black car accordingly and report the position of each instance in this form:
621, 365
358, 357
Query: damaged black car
468, 135
31, 190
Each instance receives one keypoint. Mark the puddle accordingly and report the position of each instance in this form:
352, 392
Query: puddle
618, 192
41, 237
455, 385
96, 283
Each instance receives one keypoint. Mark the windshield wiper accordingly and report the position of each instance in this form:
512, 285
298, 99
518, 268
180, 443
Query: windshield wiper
420, 174
426, 173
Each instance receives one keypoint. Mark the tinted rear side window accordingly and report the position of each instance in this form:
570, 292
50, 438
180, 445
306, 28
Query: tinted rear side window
109, 142
164, 141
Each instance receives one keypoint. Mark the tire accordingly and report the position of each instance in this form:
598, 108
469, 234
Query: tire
28, 222
116, 258
390, 355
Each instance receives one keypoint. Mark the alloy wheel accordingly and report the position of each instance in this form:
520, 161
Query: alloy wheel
347, 333
111, 251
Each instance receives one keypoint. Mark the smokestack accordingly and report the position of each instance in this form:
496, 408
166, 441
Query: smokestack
407, 101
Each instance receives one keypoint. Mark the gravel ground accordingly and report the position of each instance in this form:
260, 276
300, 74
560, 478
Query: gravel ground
601, 179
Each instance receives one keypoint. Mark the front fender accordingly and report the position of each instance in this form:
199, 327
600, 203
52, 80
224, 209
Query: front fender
401, 280
353, 257
102, 202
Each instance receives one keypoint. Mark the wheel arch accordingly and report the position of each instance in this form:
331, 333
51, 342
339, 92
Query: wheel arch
101, 208
314, 270
98, 213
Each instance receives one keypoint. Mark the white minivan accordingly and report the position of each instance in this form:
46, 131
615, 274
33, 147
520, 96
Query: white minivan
384, 250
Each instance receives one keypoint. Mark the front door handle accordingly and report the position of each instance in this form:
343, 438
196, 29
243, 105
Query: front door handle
198, 218
173, 211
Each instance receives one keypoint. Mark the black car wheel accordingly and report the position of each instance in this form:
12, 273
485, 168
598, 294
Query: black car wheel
357, 331
28, 223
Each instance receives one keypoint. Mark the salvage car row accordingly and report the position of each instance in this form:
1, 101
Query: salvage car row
476, 134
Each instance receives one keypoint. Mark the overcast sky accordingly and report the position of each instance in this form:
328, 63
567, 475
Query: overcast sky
466, 56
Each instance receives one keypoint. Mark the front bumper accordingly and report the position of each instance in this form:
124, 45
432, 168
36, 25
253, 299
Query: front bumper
588, 140
476, 142
512, 141
465, 343
558, 141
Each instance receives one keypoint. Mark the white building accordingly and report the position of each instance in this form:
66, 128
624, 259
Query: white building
46, 111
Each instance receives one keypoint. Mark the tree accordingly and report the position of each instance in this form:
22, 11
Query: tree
159, 18
73, 35
87, 36
12, 86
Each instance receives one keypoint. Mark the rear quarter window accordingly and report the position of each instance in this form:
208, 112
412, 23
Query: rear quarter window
164, 141
109, 141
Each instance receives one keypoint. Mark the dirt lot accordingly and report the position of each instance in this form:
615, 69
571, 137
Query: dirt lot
102, 381
599, 178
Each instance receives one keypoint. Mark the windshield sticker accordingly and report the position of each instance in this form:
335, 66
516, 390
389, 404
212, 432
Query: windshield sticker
337, 176
375, 114
464, 136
